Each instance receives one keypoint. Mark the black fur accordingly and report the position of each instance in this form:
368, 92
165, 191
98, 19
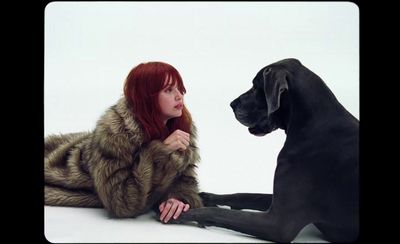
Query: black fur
317, 175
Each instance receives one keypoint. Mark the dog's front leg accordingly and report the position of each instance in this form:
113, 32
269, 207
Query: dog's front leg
264, 225
256, 201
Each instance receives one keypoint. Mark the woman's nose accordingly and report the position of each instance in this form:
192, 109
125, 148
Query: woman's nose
178, 95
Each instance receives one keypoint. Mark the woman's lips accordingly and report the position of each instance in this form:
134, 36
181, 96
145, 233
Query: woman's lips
179, 106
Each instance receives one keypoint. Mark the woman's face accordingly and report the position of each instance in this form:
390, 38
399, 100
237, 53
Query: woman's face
171, 101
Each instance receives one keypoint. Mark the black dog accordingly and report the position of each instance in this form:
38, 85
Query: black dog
317, 174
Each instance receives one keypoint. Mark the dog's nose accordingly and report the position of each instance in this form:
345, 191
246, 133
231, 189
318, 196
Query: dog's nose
234, 103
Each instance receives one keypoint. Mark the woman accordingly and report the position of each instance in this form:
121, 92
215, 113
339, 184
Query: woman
141, 155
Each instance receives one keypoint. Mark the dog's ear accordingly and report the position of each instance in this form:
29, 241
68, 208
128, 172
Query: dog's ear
275, 83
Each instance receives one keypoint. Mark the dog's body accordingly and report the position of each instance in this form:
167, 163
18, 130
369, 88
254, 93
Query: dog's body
316, 178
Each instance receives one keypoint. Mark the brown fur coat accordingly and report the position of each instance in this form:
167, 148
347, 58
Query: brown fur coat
113, 168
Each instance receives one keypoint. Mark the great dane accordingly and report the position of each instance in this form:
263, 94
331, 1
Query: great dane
317, 174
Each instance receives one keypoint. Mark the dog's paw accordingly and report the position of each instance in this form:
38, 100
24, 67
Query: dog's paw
186, 219
180, 222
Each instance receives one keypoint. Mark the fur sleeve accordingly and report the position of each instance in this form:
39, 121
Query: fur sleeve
185, 187
121, 166
130, 177
129, 186
120, 183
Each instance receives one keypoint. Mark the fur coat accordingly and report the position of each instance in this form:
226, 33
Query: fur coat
112, 167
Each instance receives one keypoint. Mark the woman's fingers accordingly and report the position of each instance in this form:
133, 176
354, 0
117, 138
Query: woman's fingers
171, 212
185, 135
161, 207
179, 134
166, 210
178, 140
184, 141
178, 145
181, 146
186, 208
178, 211
172, 208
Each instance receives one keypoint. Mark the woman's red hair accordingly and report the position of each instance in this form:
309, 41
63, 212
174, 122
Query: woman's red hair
141, 89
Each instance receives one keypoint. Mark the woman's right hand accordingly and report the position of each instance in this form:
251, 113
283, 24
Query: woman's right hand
178, 140
172, 208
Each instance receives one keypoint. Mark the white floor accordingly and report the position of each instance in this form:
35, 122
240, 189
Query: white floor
83, 225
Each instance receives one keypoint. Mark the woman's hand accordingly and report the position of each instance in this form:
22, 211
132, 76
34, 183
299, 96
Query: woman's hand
178, 140
172, 208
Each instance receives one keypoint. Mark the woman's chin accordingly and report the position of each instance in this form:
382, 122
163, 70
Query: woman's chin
176, 115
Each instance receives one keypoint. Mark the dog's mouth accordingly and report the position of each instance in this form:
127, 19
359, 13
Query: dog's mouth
243, 119
256, 131
257, 125
262, 127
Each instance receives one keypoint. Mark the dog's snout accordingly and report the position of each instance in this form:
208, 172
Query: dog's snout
234, 103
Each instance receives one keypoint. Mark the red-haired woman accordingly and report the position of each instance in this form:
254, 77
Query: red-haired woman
141, 155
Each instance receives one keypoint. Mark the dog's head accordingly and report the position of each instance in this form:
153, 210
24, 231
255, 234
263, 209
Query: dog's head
260, 108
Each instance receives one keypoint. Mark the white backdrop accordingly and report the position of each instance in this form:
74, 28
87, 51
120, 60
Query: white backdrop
217, 47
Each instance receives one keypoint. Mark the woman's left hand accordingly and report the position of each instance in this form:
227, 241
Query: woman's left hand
172, 208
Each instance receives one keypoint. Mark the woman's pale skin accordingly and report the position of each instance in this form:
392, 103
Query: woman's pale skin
171, 104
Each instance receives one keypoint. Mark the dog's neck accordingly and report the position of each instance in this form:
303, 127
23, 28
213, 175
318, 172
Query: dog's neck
308, 102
